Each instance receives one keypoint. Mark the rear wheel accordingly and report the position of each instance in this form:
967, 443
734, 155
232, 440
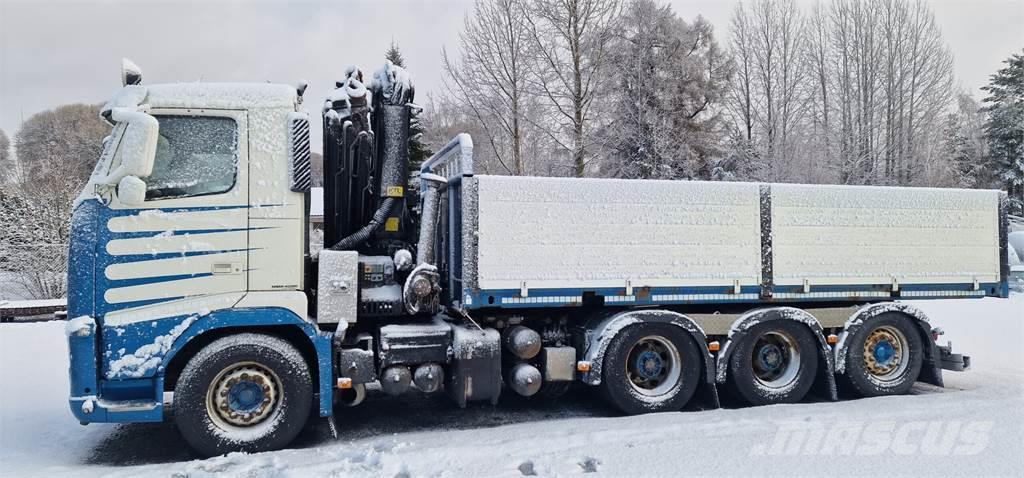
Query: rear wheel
884, 356
651, 368
775, 362
246, 392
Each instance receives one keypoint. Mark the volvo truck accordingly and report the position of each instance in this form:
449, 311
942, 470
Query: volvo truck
195, 292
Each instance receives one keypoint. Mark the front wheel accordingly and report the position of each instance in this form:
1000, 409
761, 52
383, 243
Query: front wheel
651, 367
246, 392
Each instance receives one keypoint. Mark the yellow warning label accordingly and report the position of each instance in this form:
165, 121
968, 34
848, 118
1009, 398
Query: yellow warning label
391, 225
395, 192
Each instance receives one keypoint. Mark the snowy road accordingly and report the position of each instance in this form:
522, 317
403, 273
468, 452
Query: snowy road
973, 427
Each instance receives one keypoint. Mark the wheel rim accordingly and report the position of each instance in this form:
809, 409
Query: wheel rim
885, 354
775, 358
243, 395
653, 366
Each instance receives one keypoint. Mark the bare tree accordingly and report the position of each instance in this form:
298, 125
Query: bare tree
571, 40
742, 44
6, 162
56, 151
854, 91
895, 78
820, 57
490, 76
769, 96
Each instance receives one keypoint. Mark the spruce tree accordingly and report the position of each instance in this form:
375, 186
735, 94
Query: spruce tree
1005, 128
395, 55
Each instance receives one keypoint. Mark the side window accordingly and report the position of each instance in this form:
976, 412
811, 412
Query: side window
195, 156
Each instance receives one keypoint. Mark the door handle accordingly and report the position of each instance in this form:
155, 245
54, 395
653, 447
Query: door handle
227, 268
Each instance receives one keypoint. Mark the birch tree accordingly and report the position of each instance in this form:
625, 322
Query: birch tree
854, 91
571, 39
489, 77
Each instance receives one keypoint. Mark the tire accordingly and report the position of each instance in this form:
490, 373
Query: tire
651, 367
776, 361
246, 392
878, 373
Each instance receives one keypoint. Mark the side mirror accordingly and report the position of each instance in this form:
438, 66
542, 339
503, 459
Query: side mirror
135, 155
131, 191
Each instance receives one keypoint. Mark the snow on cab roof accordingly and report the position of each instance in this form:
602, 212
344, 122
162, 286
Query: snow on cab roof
220, 95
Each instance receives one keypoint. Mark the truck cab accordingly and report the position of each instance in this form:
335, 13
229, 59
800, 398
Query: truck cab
194, 219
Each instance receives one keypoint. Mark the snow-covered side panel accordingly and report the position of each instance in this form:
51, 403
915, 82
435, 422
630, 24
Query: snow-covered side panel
277, 213
593, 233
846, 235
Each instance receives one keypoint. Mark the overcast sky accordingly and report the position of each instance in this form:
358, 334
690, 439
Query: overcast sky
56, 52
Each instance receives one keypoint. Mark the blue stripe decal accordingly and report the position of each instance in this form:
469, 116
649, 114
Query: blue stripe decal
119, 283
182, 232
105, 308
123, 258
139, 212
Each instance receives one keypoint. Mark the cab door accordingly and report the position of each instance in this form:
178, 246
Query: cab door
184, 249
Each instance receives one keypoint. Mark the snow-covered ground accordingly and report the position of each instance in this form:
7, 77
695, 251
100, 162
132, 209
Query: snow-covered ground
973, 427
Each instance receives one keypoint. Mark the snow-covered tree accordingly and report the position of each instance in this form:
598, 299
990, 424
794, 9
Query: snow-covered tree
571, 39
1005, 127
6, 163
670, 80
965, 146
56, 152
64, 142
853, 91
490, 76
395, 55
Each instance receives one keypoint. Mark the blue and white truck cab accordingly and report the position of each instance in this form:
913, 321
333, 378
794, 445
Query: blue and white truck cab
212, 237
191, 282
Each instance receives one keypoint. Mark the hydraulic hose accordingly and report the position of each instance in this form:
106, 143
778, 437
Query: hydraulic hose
359, 237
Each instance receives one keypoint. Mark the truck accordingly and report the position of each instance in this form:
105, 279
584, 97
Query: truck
195, 292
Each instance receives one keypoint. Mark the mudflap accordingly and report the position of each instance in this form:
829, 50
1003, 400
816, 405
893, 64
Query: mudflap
707, 394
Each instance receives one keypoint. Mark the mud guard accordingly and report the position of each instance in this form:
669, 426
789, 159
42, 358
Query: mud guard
931, 369
601, 329
824, 383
